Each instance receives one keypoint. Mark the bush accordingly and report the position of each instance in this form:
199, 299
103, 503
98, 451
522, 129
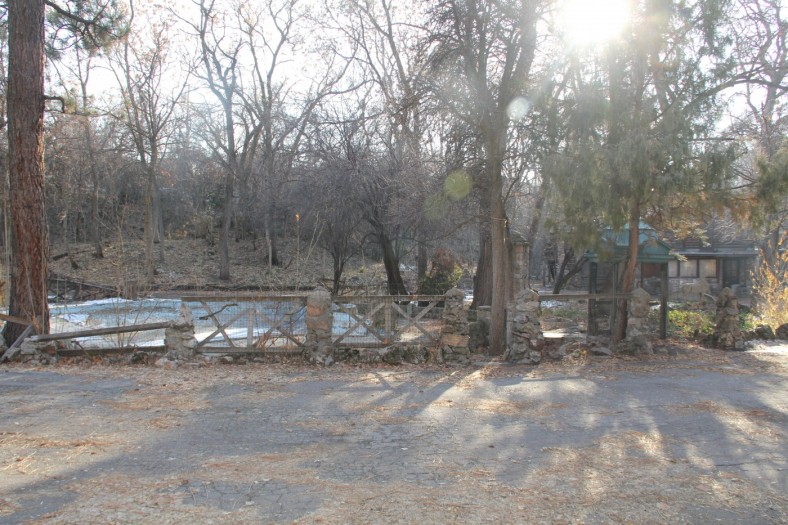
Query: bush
770, 286
692, 323
444, 274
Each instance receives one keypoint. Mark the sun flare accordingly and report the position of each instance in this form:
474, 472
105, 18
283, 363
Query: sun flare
589, 22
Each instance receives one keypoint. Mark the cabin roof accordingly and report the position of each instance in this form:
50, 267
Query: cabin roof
614, 244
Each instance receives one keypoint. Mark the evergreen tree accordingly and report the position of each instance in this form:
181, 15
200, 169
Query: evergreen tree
26, 100
644, 129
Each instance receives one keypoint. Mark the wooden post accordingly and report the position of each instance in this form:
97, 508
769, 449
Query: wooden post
592, 328
252, 314
614, 306
388, 331
663, 301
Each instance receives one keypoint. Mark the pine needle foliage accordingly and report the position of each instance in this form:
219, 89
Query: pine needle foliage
770, 285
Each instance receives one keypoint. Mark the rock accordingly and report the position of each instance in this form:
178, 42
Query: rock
167, 364
601, 351
414, 354
764, 332
478, 333
139, 358
524, 330
435, 355
392, 355
639, 303
782, 332
455, 340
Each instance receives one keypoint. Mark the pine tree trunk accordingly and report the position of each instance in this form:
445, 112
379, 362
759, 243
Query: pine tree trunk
628, 276
28, 235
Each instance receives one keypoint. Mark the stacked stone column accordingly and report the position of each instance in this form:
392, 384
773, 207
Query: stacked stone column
454, 332
179, 338
319, 324
638, 337
727, 334
525, 340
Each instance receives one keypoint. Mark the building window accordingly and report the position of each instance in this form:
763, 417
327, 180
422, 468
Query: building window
688, 268
673, 268
708, 268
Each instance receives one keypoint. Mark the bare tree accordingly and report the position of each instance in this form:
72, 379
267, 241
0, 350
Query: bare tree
275, 102
385, 37
760, 40
219, 57
149, 105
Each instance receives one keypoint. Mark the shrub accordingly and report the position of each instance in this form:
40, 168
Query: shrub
444, 274
690, 323
770, 286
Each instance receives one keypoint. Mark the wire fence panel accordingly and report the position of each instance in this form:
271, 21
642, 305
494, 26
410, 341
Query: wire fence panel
67, 318
381, 320
271, 323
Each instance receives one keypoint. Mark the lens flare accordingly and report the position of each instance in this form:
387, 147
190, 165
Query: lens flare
518, 108
589, 22
457, 185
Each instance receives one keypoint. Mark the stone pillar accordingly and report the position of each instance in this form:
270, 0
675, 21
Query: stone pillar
179, 338
637, 337
523, 327
454, 331
727, 334
319, 325
479, 331
519, 265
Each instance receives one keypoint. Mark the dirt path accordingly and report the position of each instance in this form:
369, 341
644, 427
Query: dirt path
696, 438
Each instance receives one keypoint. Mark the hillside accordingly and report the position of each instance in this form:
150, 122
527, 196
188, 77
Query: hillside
192, 264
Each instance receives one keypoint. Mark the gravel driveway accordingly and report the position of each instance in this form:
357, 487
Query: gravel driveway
699, 437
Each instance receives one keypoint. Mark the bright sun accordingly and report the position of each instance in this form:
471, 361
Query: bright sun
589, 22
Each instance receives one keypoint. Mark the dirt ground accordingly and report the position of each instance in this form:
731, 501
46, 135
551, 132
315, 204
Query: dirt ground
697, 437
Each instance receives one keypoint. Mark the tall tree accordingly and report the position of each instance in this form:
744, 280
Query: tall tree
645, 126
28, 233
150, 94
383, 33
484, 51
761, 45
220, 69
25, 109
